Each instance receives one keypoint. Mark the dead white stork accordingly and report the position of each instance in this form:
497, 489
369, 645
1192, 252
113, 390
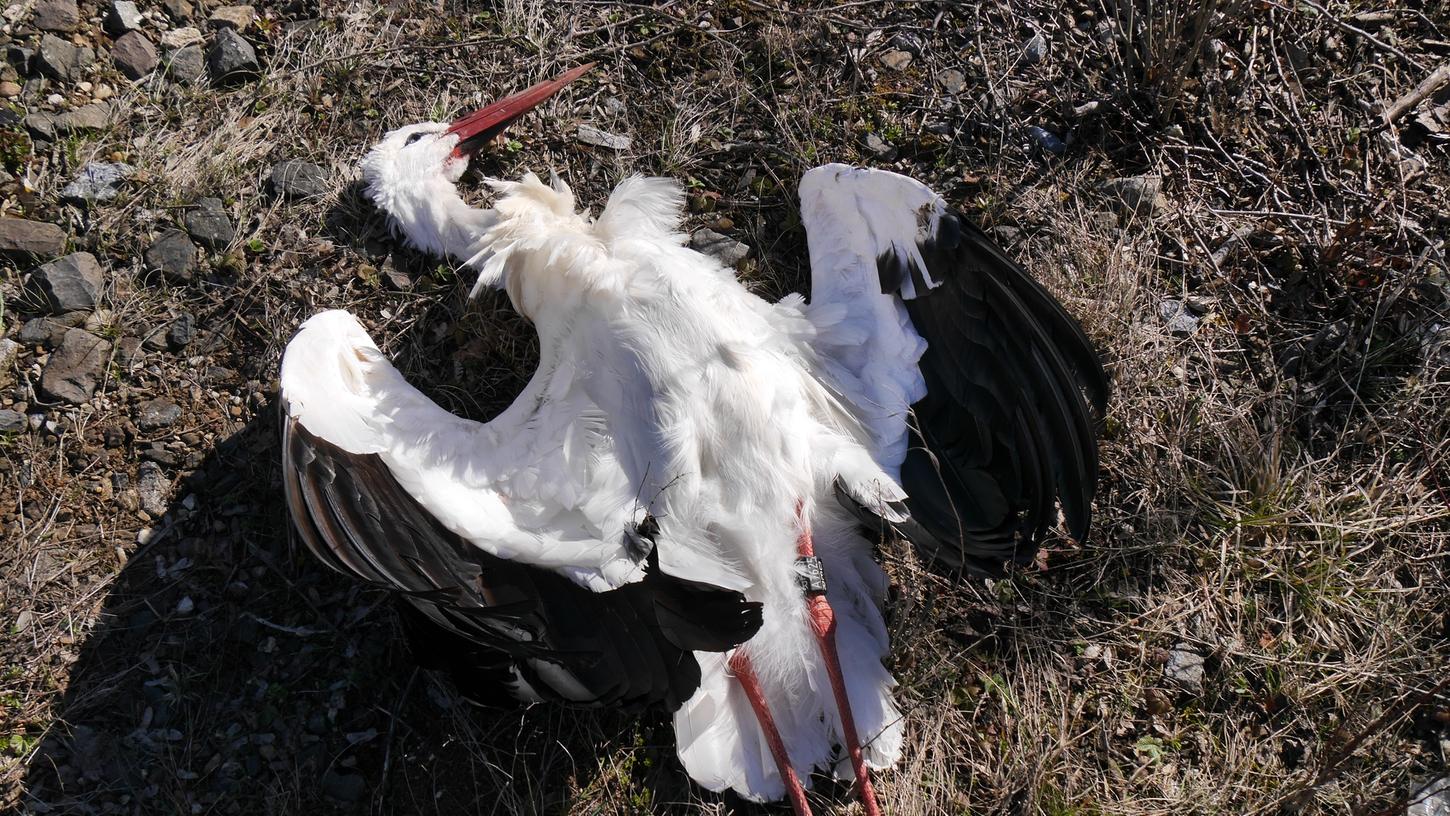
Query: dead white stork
681, 506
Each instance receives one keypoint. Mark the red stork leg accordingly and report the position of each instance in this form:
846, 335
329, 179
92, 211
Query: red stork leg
823, 624
745, 673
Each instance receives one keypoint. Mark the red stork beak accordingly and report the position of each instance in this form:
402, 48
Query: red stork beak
477, 128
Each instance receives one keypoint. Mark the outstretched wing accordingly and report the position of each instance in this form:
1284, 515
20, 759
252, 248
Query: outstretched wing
514, 544
979, 390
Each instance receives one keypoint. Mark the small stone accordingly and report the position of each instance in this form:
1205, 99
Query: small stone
208, 223
134, 55
878, 147
298, 179
69, 284
186, 65
182, 332
179, 10
12, 422
9, 90
75, 368
154, 488
22, 58
156, 413
952, 81
1035, 50
21, 240
185, 606
1184, 666
588, 134
1046, 140
158, 453
57, 15
173, 255
182, 37
726, 249
97, 181
1177, 317
1134, 195
123, 16
231, 56
95, 116
43, 331
238, 17
897, 60
9, 353
63, 60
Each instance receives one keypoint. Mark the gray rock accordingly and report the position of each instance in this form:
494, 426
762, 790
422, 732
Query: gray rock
182, 37
1185, 666
154, 489
1035, 50
156, 413
173, 255
12, 422
728, 250
588, 134
879, 147
57, 15
1430, 798
134, 55
208, 223
897, 60
21, 240
179, 10
186, 65
9, 353
952, 81
69, 284
1046, 140
63, 60
1177, 317
97, 181
298, 179
41, 126
158, 453
182, 331
95, 116
231, 57
123, 16
1134, 195
75, 368
43, 331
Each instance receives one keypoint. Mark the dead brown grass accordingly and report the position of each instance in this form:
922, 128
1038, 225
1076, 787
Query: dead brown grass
1274, 490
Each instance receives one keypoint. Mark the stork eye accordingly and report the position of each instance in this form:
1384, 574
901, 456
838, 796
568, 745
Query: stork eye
413, 137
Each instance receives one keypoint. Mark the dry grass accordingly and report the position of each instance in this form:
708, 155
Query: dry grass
1274, 489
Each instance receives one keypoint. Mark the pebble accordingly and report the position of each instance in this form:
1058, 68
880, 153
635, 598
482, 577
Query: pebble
1134, 195
21, 239
123, 16
12, 421
43, 331
134, 55
952, 81
726, 249
588, 134
182, 331
57, 15
9, 90
1184, 666
173, 255
231, 57
186, 65
1046, 140
97, 181
897, 60
879, 147
178, 9
208, 223
1177, 317
63, 60
238, 17
21, 58
157, 413
154, 489
69, 284
9, 353
75, 367
298, 179
1035, 50
182, 37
